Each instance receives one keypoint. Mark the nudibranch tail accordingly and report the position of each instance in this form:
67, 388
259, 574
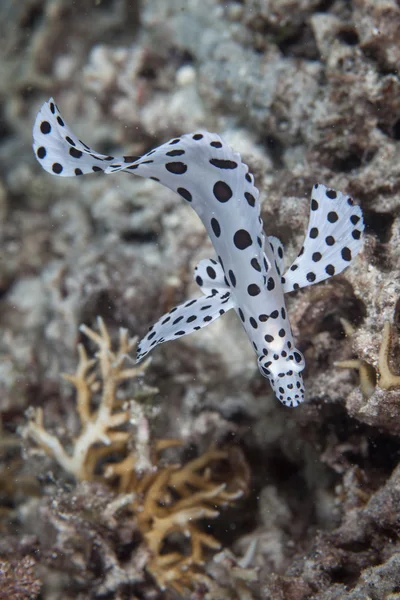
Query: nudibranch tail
57, 148
200, 167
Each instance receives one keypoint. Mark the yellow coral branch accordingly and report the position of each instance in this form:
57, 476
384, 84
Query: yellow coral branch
50, 443
366, 371
387, 379
101, 426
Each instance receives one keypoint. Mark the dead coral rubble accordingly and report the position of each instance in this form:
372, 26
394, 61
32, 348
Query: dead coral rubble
89, 536
18, 580
167, 500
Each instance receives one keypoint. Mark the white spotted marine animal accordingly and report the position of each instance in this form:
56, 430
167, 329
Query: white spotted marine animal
247, 271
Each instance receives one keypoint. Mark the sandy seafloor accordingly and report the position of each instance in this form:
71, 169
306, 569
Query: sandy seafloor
308, 92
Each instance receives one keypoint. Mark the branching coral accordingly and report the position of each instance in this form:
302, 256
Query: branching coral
170, 499
101, 426
387, 379
167, 500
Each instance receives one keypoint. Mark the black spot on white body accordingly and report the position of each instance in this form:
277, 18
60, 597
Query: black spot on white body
333, 239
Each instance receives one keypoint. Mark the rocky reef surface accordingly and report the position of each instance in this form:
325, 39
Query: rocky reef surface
308, 92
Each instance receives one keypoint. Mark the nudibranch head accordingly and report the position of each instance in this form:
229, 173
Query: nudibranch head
285, 379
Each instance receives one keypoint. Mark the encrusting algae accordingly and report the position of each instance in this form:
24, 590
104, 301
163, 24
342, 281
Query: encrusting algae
166, 499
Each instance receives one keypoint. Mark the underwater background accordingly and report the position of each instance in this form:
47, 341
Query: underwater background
185, 477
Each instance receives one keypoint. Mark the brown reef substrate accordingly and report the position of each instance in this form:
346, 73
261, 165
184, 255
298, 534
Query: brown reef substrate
307, 92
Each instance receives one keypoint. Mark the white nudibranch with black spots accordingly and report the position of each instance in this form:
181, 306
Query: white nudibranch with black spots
247, 272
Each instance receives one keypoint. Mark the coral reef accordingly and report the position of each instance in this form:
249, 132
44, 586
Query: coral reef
307, 92
167, 500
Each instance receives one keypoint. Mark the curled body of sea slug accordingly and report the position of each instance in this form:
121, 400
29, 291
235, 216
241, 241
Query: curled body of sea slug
247, 272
